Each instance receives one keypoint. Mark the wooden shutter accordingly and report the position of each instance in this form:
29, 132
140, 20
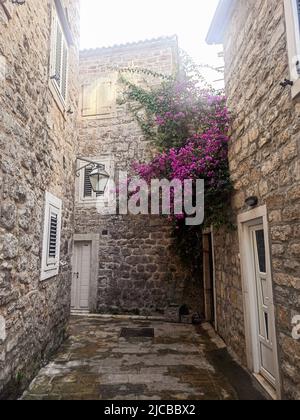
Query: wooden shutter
58, 54
99, 96
298, 9
105, 97
88, 191
87, 186
59, 57
89, 100
64, 78
51, 237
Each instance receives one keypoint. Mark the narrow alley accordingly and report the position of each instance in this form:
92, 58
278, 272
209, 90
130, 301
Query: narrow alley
131, 359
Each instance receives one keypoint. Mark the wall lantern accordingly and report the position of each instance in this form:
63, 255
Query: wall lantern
252, 201
98, 176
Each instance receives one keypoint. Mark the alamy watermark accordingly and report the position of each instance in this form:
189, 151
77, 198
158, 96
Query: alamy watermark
181, 199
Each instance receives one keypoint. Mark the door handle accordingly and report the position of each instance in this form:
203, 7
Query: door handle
77, 275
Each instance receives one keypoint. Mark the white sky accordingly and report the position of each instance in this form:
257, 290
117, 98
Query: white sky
108, 22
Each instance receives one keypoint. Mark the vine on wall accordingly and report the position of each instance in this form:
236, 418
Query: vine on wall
187, 122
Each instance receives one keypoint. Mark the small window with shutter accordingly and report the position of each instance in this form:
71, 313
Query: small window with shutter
99, 97
87, 186
59, 57
51, 237
85, 193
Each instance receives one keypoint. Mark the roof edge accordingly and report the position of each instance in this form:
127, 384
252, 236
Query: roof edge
88, 51
220, 21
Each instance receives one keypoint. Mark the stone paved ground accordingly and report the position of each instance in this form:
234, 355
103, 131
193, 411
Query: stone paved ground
96, 363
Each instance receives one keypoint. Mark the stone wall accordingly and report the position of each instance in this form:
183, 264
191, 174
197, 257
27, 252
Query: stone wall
264, 161
38, 148
138, 271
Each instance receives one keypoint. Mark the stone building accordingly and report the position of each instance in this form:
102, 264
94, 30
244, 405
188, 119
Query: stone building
133, 267
257, 272
60, 246
38, 144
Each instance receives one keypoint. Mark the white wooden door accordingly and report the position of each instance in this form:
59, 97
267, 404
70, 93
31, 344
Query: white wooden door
264, 305
81, 276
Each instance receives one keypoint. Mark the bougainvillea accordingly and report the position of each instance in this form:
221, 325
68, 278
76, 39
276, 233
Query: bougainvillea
187, 121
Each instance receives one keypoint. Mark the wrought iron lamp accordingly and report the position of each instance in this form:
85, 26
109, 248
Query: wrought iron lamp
251, 201
98, 176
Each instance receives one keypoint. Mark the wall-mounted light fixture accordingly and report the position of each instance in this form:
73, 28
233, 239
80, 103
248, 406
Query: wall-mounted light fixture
251, 201
98, 176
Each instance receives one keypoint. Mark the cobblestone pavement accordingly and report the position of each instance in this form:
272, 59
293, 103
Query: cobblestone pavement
101, 360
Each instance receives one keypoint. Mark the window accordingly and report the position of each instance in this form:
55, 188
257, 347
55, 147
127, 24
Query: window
99, 96
292, 14
51, 237
7, 8
85, 192
59, 56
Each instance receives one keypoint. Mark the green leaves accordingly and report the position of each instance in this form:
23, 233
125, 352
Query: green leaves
187, 121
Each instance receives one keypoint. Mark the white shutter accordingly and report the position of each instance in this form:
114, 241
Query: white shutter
53, 43
87, 186
89, 100
51, 237
59, 57
100, 96
105, 96
298, 9
292, 21
52, 251
58, 54
64, 69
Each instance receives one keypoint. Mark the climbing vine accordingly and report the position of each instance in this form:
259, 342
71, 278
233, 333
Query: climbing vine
187, 122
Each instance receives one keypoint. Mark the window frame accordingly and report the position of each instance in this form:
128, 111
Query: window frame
50, 265
292, 19
57, 88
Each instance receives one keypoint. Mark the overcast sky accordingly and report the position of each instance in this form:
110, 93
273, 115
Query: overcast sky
105, 23
109, 22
